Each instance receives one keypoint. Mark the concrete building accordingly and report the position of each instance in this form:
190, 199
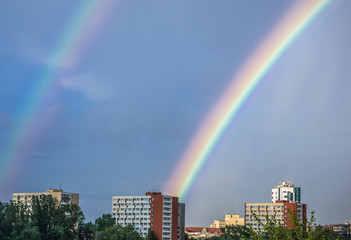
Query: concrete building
278, 211
59, 194
181, 221
161, 213
285, 198
234, 219
343, 229
230, 219
286, 191
217, 224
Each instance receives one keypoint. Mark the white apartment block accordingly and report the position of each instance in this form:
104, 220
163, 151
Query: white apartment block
161, 213
134, 210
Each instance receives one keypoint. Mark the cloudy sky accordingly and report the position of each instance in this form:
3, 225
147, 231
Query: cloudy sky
124, 102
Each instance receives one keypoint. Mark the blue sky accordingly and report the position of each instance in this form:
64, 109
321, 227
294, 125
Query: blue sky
118, 121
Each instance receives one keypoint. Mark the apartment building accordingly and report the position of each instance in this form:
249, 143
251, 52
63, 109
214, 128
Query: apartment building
286, 191
59, 194
161, 213
286, 197
278, 211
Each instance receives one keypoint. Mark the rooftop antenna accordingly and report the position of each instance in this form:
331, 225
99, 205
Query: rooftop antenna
60, 187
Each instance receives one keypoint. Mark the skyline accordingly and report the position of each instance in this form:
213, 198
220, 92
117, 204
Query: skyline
143, 86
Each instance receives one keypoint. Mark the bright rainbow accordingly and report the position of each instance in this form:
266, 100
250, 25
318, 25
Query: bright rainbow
79, 32
237, 93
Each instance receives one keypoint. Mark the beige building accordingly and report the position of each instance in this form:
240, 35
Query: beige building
278, 211
59, 194
217, 224
230, 219
234, 219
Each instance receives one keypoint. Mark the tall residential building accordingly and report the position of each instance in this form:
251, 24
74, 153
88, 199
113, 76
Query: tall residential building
161, 213
285, 197
59, 194
278, 211
286, 191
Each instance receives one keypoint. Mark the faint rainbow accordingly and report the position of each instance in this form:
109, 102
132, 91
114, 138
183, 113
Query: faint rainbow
237, 93
69, 49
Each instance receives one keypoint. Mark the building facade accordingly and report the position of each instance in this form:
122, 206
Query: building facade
230, 219
286, 200
217, 224
59, 194
343, 229
161, 213
278, 211
286, 191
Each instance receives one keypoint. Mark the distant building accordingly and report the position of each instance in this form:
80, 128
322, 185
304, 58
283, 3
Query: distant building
286, 191
230, 219
59, 194
217, 224
201, 232
234, 219
161, 213
285, 197
278, 211
181, 221
343, 229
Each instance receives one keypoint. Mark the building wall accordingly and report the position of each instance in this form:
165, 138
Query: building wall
59, 194
156, 217
286, 191
161, 211
233, 219
134, 210
298, 209
278, 211
181, 221
217, 224
273, 210
175, 210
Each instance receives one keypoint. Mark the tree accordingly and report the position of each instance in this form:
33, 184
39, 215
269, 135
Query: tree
13, 220
151, 235
53, 220
105, 221
86, 231
235, 232
306, 229
30, 233
118, 232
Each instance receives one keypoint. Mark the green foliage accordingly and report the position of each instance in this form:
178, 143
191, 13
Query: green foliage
86, 231
55, 221
30, 234
13, 220
118, 232
151, 235
235, 232
47, 220
105, 221
307, 229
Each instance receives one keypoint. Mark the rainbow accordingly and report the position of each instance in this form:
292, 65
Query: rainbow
242, 85
69, 49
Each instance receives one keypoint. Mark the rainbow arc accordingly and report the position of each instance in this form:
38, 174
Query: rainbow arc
242, 85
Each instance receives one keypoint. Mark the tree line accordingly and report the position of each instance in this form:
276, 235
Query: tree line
48, 219
273, 229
